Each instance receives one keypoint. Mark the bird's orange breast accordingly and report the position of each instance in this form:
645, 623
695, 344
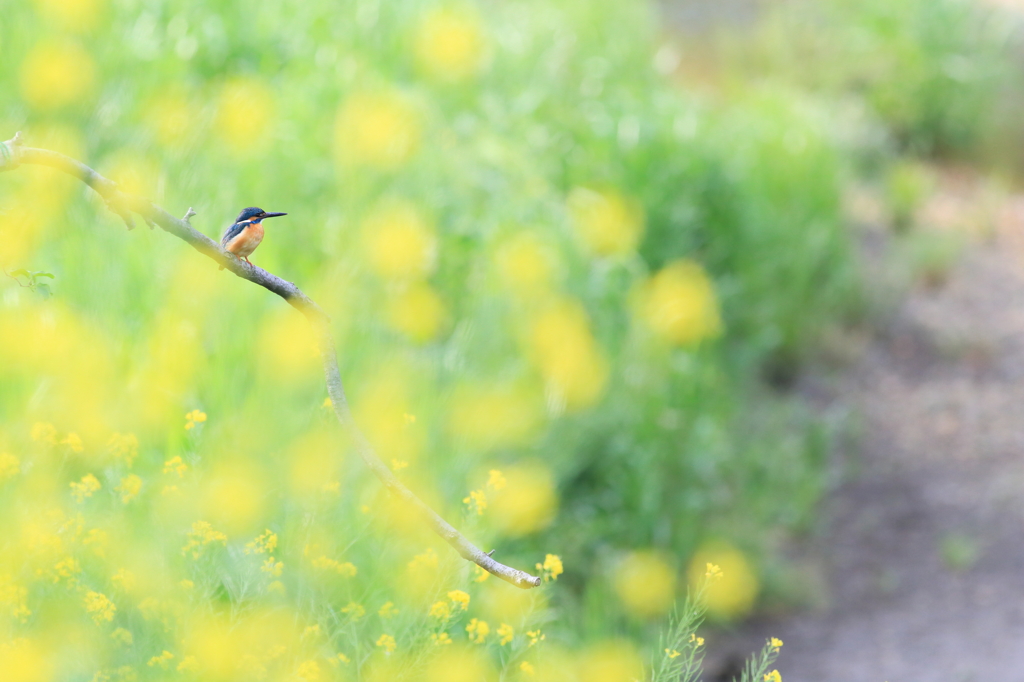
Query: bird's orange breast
246, 241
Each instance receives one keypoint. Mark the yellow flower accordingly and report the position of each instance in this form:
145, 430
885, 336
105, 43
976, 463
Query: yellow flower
776, 643
122, 636
124, 446
495, 480
55, 74
378, 129
449, 45
387, 642
417, 311
387, 610
459, 598
99, 607
309, 671
773, 676
481, 574
551, 568
84, 488
346, 570
699, 641
426, 560
129, 488
678, 304
440, 639
73, 441
561, 345
535, 636
201, 535
9, 465
124, 580
162, 660
342, 658
478, 630
44, 433
327, 404
399, 242
506, 633
189, 664
238, 123
355, 610
440, 610
527, 668
176, 466
476, 502
714, 572
671, 653
272, 568
66, 569
263, 544
194, 417
605, 221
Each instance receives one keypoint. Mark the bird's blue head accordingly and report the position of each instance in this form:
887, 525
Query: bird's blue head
255, 215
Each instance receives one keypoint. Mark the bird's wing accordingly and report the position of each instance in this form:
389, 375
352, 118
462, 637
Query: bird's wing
232, 232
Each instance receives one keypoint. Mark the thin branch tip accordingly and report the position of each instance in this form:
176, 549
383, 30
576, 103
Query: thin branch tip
188, 214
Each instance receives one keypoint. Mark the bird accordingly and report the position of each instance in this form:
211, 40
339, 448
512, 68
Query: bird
242, 238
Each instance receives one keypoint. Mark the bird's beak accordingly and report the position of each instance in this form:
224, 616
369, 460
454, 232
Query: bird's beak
273, 215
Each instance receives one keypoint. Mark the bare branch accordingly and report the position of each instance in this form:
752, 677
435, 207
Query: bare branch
12, 153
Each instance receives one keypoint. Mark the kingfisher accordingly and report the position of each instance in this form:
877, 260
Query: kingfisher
245, 235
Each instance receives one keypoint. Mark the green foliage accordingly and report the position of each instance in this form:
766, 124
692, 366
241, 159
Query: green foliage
32, 282
495, 222
934, 72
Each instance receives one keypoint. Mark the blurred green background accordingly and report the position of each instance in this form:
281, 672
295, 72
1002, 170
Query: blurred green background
565, 241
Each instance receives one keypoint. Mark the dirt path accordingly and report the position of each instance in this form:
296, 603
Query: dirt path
923, 547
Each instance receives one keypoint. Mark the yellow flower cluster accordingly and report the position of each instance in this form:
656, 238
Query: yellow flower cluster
354, 610
388, 610
161, 661
440, 639
495, 480
476, 502
459, 599
84, 488
427, 560
478, 630
201, 535
263, 544
506, 633
194, 417
535, 636
773, 676
440, 610
551, 568
129, 488
387, 642
345, 570
99, 607
124, 447
699, 641
776, 643
714, 572
175, 466
10, 466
